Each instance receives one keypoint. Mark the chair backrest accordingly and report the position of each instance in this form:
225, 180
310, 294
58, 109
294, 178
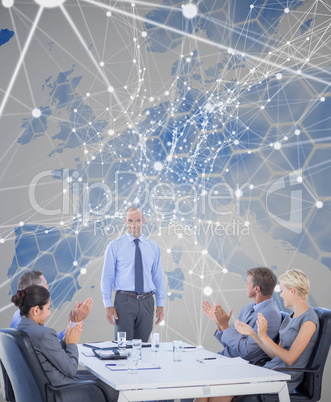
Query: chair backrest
312, 384
22, 366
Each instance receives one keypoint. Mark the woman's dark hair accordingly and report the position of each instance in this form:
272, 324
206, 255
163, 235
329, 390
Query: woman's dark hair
29, 297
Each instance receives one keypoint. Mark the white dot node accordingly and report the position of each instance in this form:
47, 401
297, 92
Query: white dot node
61, 223
319, 204
277, 145
287, 10
166, 93
133, 4
204, 252
299, 179
238, 193
151, 99
21, 223
110, 132
75, 110
75, 263
207, 291
322, 99
190, 10
108, 13
36, 113
144, 34
236, 142
251, 6
202, 277
102, 63
2, 241
7, 3
88, 94
110, 89
83, 271
277, 288
134, 61
279, 76
251, 186
225, 270
158, 166
50, 3
190, 272
168, 250
297, 132
188, 59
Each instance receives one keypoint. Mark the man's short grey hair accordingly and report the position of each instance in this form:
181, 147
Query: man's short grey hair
134, 208
29, 278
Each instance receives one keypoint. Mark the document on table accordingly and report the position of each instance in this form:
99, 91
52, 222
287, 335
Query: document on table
101, 345
124, 366
222, 360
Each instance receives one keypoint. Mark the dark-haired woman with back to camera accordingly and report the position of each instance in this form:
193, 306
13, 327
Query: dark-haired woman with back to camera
59, 360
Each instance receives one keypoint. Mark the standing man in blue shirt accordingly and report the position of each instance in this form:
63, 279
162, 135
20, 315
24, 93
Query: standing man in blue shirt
260, 285
133, 269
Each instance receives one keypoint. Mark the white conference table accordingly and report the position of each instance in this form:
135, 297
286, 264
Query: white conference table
188, 378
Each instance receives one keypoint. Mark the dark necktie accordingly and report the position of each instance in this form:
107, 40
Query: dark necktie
250, 315
138, 269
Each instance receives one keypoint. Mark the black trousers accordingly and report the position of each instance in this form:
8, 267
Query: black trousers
135, 317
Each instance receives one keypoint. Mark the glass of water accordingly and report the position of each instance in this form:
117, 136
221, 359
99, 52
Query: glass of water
137, 344
155, 342
121, 340
177, 350
133, 361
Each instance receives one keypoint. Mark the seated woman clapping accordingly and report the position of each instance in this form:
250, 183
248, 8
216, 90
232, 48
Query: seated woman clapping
297, 335
59, 360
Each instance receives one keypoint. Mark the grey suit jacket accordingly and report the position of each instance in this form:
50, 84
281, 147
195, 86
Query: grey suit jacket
58, 360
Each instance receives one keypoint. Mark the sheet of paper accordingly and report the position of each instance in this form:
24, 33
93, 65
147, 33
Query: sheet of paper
101, 345
222, 360
124, 366
88, 352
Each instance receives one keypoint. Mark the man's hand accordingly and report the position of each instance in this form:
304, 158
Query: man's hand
72, 335
81, 311
111, 315
209, 309
159, 315
222, 318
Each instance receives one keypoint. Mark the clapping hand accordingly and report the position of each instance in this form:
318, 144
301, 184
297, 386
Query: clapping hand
81, 311
243, 329
262, 326
209, 309
72, 335
222, 318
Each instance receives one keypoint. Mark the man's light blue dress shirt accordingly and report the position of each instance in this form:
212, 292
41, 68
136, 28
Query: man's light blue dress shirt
118, 268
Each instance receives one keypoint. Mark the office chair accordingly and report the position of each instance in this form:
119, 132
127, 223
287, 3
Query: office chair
27, 377
309, 390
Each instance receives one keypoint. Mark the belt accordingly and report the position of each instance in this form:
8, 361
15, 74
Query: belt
142, 296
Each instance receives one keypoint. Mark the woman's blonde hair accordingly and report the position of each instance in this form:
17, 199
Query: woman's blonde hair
298, 280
